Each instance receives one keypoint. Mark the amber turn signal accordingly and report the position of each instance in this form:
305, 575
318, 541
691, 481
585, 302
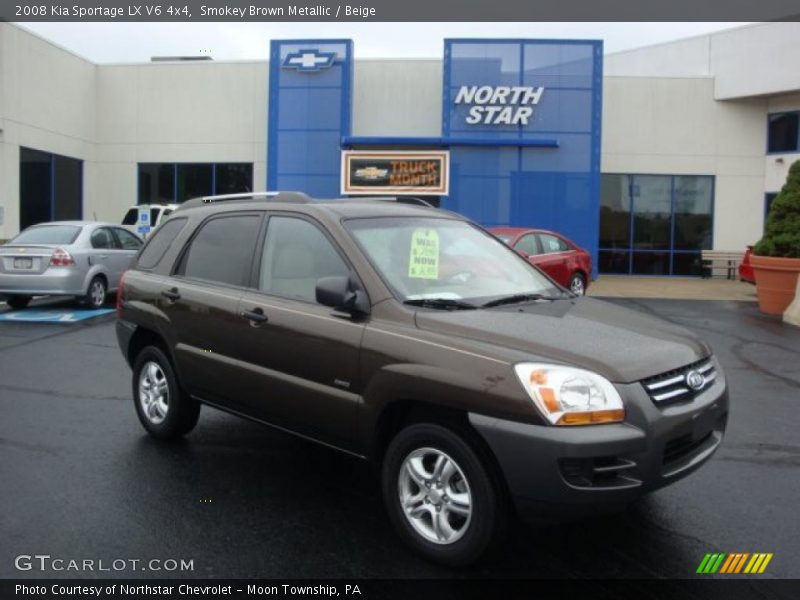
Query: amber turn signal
591, 418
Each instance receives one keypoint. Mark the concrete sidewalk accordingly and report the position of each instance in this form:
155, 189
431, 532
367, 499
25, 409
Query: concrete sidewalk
674, 288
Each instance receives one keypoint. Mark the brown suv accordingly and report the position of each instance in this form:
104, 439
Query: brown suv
413, 338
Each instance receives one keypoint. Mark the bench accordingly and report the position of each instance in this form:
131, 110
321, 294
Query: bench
721, 260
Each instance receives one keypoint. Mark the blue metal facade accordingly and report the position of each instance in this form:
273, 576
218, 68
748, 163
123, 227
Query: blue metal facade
553, 187
309, 114
545, 173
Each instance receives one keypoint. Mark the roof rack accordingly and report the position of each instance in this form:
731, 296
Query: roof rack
399, 199
294, 197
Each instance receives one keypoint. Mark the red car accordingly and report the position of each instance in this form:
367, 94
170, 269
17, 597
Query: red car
566, 263
746, 267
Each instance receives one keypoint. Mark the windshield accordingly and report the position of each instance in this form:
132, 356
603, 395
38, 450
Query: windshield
429, 258
48, 234
504, 237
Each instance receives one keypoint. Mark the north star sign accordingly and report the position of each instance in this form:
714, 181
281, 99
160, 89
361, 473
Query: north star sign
499, 105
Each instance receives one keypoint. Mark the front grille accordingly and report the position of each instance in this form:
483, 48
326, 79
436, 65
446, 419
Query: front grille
674, 386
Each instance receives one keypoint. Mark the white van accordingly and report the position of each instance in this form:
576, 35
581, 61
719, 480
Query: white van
158, 212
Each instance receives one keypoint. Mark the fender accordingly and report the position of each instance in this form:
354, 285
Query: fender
461, 387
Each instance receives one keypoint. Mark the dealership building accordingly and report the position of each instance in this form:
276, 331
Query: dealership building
645, 157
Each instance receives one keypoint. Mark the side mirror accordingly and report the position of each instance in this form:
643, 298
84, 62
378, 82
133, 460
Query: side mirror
523, 254
339, 293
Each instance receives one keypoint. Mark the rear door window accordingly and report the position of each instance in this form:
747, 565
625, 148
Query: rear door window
527, 244
103, 239
159, 243
127, 240
551, 243
222, 250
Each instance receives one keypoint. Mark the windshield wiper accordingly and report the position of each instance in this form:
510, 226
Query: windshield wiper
442, 303
516, 299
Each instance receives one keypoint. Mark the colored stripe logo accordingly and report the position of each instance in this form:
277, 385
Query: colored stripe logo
738, 562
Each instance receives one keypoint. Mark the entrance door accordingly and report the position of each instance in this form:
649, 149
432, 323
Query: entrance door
50, 187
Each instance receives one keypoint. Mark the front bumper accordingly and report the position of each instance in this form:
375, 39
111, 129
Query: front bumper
55, 281
574, 471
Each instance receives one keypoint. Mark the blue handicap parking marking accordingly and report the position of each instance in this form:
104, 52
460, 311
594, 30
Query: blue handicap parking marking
52, 315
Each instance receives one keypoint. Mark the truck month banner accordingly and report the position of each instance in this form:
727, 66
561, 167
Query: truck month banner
396, 172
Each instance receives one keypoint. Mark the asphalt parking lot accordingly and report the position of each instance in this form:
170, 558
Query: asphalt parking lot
80, 479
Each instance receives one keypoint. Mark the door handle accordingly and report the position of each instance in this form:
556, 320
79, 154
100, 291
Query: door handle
172, 295
255, 316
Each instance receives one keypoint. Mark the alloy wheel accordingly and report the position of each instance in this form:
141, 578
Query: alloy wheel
153, 392
97, 293
576, 286
435, 496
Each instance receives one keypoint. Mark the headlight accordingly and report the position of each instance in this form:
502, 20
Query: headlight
569, 396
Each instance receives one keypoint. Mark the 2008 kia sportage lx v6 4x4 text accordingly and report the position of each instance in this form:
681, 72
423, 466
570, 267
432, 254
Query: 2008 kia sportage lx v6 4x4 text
411, 337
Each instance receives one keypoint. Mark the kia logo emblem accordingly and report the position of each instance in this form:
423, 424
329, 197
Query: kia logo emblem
695, 380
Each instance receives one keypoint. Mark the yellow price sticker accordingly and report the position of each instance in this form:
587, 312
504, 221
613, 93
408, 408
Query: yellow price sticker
423, 262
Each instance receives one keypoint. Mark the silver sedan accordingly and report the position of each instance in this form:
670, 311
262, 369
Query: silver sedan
84, 259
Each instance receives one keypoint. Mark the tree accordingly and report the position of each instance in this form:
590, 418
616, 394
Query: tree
782, 233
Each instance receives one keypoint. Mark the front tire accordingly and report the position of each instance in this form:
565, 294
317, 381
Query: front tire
163, 408
18, 302
440, 496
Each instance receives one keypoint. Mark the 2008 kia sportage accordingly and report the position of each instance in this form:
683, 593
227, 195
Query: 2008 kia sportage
411, 337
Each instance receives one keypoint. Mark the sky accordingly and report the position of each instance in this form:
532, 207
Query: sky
138, 42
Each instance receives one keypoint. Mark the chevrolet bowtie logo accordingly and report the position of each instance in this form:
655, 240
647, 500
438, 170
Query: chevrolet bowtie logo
371, 173
309, 60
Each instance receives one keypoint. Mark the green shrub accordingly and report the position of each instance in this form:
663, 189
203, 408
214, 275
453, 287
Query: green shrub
782, 233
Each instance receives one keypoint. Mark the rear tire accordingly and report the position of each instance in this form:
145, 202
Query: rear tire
18, 302
97, 294
577, 284
440, 495
163, 408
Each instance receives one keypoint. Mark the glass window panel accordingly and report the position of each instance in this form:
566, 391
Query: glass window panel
156, 183
131, 217
297, 255
103, 238
527, 244
160, 242
693, 212
551, 244
687, 264
127, 240
48, 234
783, 132
650, 263
68, 184
193, 180
34, 187
652, 211
769, 198
615, 211
614, 261
222, 251
234, 178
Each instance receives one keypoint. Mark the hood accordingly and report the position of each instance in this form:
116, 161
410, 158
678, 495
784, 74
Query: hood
621, 344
